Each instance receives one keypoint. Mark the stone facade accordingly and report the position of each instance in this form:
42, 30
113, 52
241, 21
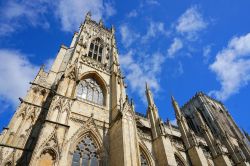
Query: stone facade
78, 113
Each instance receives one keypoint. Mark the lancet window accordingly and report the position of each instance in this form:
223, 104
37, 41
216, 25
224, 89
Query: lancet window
90, 90
96, 49
85, 153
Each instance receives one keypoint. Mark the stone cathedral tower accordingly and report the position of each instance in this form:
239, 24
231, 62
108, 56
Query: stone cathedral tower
78, 113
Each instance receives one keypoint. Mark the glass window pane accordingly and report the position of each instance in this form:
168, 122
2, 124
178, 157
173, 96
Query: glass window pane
79, 90
96, 48
85, 162
90, 94
95, 56
89, 89
100, 99
88, 150
76, 159
94, 162
84, 92
91, 46
99, 58
90, 54
95, 97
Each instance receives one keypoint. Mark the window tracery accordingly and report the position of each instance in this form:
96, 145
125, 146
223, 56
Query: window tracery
96, 49
85, 153
89, 89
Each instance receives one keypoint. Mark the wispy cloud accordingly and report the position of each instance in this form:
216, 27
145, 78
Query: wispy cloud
152, 2
206, 53
140, 71
18, 15
71, 12
16, 72
232, 67
174, 47
128, 35
155, 29
133, 13
190, 23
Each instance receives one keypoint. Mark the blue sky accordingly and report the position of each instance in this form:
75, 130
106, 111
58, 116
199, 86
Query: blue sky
179, 47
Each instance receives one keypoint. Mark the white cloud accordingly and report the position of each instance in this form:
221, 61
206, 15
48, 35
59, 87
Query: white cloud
133, 13
232, 67
152, 2
206, 53
180, 70
16, 15
16, 72
138, 72
174, 47
128, 36
190, 23
154, 29
71, 13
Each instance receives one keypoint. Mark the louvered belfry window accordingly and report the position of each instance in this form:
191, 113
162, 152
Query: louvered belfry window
96, 49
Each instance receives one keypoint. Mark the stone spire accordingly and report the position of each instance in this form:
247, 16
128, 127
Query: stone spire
161, 143
149, 96
152, 113
182, 123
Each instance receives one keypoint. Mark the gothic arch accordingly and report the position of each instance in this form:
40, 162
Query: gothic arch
47, 156
144, 150
98, 78
78, 138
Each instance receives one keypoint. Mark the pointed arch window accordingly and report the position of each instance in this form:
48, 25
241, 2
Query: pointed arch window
85, 153
90, 90
96, 49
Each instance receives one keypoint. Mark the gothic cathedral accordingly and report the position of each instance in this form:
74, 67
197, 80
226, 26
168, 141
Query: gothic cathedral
78, 114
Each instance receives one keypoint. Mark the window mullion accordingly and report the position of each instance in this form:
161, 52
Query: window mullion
80, 160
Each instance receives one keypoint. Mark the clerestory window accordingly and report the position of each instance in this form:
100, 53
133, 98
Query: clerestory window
90, 90
96, 49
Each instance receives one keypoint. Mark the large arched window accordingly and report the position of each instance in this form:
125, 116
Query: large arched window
85, 153
90, 90
96, 49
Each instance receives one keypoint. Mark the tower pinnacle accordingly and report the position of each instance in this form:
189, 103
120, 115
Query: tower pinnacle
149, 96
